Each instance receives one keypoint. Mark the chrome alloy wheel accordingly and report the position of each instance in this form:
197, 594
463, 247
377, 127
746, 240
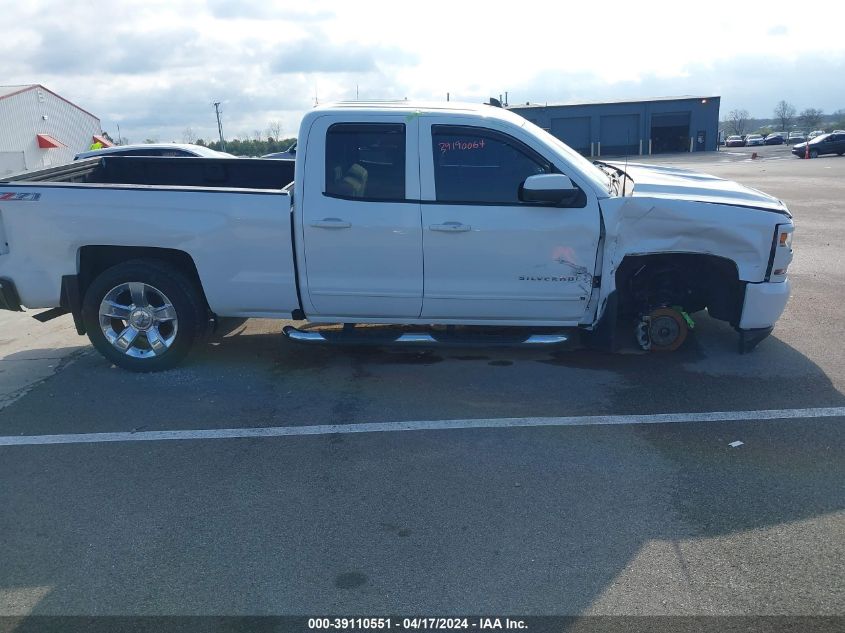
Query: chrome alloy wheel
138, 320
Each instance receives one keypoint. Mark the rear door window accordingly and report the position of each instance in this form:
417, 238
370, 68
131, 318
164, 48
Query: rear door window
366, 161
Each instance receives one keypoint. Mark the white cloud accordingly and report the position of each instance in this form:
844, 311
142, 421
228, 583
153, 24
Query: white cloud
155, 66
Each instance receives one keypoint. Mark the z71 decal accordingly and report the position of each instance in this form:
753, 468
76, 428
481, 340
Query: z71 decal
26, 197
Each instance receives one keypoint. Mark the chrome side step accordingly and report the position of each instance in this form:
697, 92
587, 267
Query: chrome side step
423, 339
546, 339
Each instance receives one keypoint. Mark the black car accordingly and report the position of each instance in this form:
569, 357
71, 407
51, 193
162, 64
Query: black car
824, 144
775, 139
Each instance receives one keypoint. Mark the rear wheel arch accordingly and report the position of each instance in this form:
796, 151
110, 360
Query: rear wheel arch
93, 260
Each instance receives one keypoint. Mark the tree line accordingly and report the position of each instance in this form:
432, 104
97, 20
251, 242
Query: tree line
786, 116
256, 143
250, 147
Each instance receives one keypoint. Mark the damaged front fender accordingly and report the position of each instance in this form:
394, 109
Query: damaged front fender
637, 226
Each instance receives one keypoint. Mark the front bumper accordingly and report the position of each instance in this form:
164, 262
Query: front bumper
9, 299
763, 304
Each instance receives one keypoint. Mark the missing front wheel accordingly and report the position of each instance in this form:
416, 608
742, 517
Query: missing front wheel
664, 329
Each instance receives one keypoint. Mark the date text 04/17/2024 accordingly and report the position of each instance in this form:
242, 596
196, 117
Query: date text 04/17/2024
416, 624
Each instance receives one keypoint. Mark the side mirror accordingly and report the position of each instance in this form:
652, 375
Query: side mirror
549, 188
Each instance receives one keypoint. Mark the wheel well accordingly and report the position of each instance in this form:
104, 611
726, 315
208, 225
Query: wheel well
93, 260
692, 281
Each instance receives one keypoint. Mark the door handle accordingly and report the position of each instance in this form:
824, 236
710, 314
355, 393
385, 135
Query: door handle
331, 223
450, 227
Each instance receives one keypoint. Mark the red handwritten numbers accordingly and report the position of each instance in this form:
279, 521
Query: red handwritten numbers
462, 146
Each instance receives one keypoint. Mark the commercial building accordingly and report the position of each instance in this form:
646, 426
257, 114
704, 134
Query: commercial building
39, 128
650, 126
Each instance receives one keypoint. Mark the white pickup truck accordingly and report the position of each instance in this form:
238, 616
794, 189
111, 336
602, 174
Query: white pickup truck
412, 214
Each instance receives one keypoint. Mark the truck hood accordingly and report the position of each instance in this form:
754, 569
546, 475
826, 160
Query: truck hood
656, 181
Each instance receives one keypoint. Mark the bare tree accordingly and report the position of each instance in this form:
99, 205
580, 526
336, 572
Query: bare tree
188, 135
737, 120
274, 130
784, 112
257, 134
811, 118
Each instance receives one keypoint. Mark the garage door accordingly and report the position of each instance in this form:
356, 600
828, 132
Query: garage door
670, 132
620, 134
574, 131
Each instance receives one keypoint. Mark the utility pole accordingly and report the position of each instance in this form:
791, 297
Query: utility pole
219, 126
118, 135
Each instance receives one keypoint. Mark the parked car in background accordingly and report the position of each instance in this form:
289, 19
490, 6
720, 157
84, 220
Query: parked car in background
735, 141
815, 133
796, 137
753, 139
289, 154
155, 149
824, 144
775, 138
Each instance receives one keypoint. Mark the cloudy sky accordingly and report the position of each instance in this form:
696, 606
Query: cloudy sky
155, 66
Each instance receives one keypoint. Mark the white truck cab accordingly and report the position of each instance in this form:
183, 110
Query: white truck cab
399, 213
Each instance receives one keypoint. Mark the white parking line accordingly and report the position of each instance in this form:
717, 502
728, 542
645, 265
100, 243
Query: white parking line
427, 425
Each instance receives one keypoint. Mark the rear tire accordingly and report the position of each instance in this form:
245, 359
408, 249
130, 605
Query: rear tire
143, 315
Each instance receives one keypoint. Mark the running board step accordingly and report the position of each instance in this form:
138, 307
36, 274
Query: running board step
421, 339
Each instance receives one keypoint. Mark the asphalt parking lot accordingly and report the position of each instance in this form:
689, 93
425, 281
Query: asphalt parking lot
554, 512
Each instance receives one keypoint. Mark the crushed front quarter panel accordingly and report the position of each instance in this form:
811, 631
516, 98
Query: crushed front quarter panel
639, 225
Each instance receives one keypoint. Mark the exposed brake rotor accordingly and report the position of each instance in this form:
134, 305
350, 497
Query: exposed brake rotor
664, 329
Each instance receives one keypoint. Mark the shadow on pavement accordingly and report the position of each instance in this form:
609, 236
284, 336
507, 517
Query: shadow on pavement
633, 519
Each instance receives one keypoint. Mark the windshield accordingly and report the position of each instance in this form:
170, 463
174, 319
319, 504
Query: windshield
819, 139
598, 177
200, 150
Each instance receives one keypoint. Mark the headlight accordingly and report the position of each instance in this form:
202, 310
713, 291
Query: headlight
782, 252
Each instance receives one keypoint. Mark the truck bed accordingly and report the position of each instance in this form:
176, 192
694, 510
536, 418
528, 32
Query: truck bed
228, 173
230, 216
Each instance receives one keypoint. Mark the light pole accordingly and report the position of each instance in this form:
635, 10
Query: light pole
219, 126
